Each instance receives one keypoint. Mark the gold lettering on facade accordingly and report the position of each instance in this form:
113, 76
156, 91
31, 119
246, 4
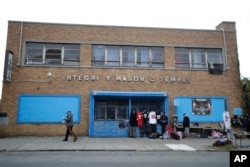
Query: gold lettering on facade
108, 78
130, 78
122, 78
151, 79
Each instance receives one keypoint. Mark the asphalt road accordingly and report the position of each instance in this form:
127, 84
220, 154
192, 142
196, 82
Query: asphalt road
114, 159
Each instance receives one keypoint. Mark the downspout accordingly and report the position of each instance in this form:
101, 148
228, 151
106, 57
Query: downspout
225, 48
20, 45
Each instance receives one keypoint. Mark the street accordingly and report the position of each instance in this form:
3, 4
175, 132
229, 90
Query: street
114, 158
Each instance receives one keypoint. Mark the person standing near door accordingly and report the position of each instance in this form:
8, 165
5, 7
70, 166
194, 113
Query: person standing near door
132, 124
163, 122
152, 122
139, 118
186, 124
69, 124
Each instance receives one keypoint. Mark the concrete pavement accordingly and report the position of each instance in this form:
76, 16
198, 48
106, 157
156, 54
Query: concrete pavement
30, 143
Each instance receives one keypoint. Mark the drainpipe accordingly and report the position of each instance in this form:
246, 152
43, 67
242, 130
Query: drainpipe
225, 48
20, 45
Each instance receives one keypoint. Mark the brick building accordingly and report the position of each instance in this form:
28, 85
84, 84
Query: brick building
102, 73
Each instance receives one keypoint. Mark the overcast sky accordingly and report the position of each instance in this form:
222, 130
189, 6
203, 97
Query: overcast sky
190, 14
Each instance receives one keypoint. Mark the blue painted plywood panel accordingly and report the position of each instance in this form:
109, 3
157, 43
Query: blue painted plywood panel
184, 105
109, 129
47, 108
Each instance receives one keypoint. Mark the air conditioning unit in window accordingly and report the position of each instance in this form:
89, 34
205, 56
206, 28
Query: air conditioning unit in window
215, 68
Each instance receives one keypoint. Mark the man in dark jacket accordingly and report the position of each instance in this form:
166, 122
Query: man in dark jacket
69, 124
186, 124
163, 122
132, 124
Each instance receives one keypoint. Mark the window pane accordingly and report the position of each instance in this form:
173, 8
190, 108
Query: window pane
34, 53
53, 61
122, 112
214, 56
198, 58
157, 54
157, 57
71, 63
113, 55
128, 56
100, 109
53, 53
143, 56
182, 58
98, 52
71, 55
98, 55
110, 113
99, 113
72, 47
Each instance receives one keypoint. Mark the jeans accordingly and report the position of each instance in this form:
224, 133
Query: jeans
186, 131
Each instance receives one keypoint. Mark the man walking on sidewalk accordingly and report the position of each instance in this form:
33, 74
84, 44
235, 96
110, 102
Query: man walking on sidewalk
69, 124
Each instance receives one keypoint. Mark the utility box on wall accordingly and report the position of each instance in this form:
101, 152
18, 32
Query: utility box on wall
4, 120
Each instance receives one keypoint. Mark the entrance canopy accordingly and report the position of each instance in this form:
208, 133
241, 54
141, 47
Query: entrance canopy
129, 94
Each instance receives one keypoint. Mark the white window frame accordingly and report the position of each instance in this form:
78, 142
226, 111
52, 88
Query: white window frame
43, 59
150, 63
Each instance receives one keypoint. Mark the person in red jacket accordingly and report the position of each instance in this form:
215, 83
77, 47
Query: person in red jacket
139, 118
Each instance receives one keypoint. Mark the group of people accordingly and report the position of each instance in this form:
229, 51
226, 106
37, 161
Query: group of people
147, 123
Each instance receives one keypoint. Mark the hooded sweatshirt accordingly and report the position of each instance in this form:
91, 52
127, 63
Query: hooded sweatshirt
69, 119
186, 121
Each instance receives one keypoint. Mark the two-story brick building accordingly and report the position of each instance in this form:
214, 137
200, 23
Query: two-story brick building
102, 73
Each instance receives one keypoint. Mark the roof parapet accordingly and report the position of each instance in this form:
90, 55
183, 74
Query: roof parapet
227, 26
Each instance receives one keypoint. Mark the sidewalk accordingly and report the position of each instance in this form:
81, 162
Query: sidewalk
110, 144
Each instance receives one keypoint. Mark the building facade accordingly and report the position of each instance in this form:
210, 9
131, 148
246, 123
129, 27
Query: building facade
102, 73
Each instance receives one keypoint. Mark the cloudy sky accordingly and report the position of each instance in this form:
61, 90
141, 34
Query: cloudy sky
190, 14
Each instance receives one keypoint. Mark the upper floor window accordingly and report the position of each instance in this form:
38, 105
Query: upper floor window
127, 56
197, 58
52, 54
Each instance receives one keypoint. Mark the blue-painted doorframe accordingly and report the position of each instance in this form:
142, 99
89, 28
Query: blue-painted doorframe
111, 128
